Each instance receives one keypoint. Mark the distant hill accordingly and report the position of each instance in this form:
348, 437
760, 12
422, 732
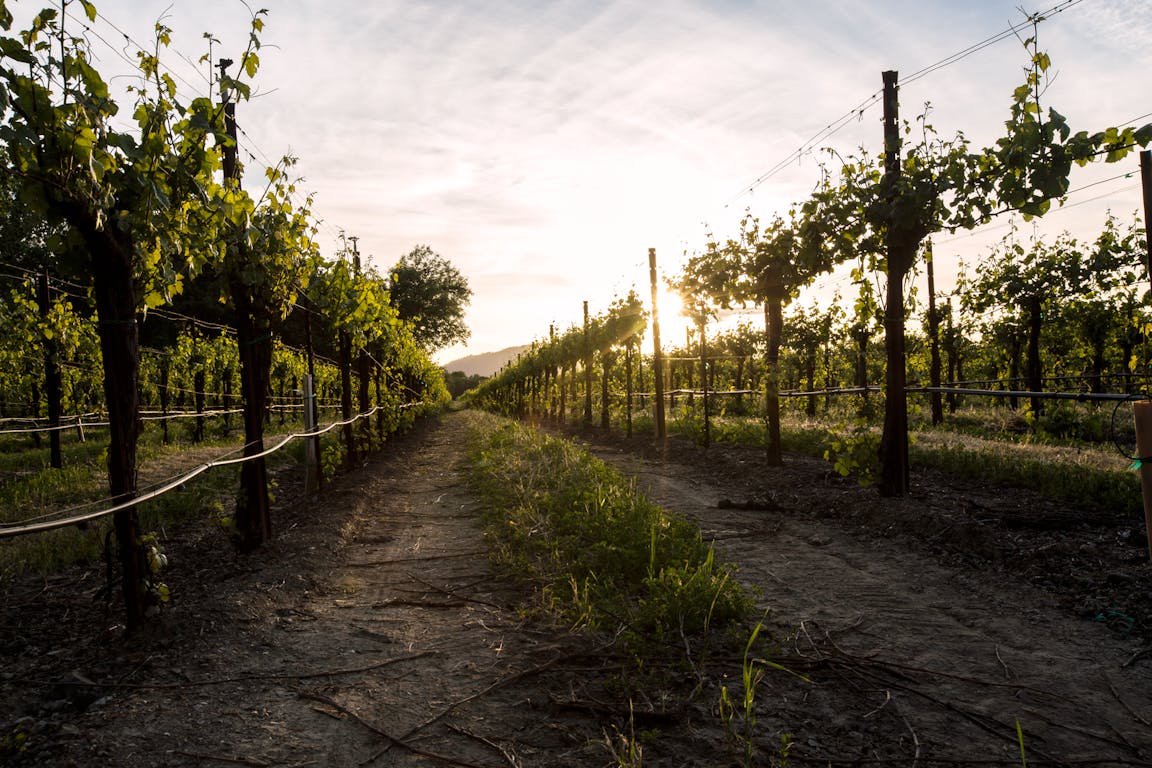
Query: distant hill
486, 364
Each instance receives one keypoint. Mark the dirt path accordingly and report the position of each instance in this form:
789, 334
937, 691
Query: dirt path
385, 642
952, 657
373, 632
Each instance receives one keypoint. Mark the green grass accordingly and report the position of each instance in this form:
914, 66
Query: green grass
603, 555
1090, 477
1048, 454
30, 488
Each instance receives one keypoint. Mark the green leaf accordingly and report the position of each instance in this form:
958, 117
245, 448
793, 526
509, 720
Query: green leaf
42, 21
92, 80
89, 10
15, 50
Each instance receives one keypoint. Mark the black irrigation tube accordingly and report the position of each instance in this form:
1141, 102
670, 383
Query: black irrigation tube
832, 391
1078, 396
786, 393
1066, 377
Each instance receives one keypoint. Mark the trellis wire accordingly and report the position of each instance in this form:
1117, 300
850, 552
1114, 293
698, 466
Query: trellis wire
1080, 396
10, 530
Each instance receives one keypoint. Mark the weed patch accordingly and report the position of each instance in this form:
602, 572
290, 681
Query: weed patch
604, 555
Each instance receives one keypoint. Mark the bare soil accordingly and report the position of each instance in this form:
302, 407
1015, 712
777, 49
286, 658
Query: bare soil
374, 631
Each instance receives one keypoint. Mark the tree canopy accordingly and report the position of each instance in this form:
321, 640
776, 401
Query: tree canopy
431, 294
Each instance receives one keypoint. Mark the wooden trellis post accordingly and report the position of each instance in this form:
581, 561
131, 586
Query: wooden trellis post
1142, 413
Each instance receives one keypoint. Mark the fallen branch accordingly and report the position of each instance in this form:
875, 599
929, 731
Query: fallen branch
502, 682
915, 741
1007, 672
843, 656
887, 698
399, 741
981, 721
418, 604
374, 563
453, 593
1125, 704
511, 758
223, 680
1121, 743
1137, 656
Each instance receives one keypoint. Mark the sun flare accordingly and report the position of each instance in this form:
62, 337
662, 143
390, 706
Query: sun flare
673, 324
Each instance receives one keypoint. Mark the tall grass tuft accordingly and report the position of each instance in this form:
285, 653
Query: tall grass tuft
603, 554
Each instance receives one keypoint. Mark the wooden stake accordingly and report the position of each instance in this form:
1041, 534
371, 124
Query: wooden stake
628, 387
310, 402
1146, 180
704, 376
657, 355
894, 476
52, 379
953, 352
1142, 413
363, 365
311, 446
934, 340
587, 371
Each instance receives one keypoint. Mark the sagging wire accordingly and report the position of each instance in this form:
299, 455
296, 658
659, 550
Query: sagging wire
22, 528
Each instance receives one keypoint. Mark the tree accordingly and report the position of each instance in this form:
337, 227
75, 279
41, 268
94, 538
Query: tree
807, 330
620, 325
459, 382
355, 303
518, 385
269, 254
866, 319
431, 294
742, 343
24, 237
767, 265
1028, 285
129, 197
1032, 285
24, 233
939, 184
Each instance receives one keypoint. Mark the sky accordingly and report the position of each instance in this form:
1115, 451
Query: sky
544, 146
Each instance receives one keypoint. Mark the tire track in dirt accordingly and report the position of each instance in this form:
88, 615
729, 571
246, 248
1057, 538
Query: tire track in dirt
870, 619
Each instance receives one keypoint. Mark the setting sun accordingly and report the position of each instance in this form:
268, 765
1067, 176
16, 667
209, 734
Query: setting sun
673, 324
